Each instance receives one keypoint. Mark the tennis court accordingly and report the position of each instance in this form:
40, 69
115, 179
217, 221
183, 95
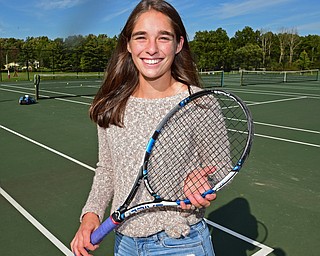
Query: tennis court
49, 151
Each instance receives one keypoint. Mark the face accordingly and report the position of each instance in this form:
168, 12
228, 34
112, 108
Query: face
153, 45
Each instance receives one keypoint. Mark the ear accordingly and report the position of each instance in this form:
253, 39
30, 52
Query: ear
180, 45
128, 47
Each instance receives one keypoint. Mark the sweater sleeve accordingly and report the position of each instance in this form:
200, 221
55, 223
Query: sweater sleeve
102, 187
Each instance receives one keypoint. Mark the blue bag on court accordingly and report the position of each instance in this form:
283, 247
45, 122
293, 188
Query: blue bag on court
26, 100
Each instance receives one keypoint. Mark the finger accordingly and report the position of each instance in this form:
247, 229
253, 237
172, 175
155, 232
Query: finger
208, 170
211, 197
194, 201
74, 246
185, 206
87, 242
201, 202
78, 247
84, 252
76, 251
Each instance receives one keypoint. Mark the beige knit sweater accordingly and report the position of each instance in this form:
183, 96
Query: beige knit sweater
120, 155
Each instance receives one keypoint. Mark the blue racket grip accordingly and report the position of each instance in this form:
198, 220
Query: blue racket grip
187, 201
104, 229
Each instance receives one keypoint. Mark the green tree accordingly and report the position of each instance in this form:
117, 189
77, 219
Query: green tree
72, 52
10, 50
311, 44
248, 57
244, 37
294, 41
303, 62
211, 49
267, 43
58, 51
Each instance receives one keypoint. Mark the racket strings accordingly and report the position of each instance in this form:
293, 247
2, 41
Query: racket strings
197, 147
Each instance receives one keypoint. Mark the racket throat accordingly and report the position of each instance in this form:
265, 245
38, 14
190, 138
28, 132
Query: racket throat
157, 198
117, 217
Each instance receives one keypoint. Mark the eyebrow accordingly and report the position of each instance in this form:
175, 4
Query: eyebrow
162, 32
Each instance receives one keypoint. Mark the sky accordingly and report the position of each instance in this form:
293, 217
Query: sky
62, 18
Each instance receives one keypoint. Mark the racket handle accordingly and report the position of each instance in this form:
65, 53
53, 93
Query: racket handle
210, 191
187, 201
104, 229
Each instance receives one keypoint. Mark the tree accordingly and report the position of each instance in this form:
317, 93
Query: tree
106, 47
311, 44
211, 49
96, 51
303, 62
10, 49
244, 37
58, 51
294, 41
89, 58
248, 57
283, 42
73, 50
266, 46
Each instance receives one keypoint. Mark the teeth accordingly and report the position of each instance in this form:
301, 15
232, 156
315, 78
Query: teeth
151, 62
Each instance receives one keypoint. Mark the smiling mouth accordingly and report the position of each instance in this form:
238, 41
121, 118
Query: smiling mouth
151, 61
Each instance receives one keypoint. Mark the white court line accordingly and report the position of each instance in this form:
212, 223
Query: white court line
279, 126
275, 101
275, 93
45, 96
28, 216
74, 101
287, 127
14, 91
265, 250
48, 148
287, 140
261, 252
37, 224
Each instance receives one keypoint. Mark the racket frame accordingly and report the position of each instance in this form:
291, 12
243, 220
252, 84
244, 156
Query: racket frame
124, 212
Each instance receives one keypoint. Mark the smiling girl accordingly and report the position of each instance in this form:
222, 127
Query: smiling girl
150, 71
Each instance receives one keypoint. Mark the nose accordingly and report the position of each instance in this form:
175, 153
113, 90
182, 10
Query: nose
152, 47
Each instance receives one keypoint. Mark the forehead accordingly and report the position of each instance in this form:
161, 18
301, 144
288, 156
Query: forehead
152, 21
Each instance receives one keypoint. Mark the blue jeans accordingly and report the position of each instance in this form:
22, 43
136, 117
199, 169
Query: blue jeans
197, 243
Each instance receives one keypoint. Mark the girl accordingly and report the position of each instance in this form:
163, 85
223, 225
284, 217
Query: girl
150, 72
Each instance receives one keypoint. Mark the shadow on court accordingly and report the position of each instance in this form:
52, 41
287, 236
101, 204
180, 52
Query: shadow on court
66, 96
236, 216
278, 252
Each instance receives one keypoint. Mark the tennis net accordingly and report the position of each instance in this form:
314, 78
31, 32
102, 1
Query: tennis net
268, 77
212, 78
66, 84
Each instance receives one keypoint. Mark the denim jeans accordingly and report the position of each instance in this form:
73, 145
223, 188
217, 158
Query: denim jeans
197, 243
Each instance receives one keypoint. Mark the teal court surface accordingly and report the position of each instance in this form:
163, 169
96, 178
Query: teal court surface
48, 154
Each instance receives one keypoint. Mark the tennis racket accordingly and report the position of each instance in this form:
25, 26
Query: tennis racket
198, 147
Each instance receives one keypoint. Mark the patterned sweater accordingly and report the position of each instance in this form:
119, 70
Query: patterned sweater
120, 155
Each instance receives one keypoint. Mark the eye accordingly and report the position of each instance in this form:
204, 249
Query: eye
165, 38
139, 38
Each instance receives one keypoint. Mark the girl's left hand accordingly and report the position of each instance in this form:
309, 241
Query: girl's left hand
195, 184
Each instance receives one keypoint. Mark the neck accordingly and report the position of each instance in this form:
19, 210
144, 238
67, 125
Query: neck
158, 88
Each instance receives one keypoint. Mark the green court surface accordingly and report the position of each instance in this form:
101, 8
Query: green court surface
48, 153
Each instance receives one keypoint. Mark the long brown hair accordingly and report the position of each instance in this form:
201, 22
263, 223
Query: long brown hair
121, 77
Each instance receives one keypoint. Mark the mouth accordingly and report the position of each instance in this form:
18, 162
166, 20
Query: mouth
151, 61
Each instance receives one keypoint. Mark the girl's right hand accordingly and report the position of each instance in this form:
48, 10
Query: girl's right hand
81, 245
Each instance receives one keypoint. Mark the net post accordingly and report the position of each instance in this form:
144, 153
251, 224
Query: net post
36, 80
285, 77
241, 77
222, 78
